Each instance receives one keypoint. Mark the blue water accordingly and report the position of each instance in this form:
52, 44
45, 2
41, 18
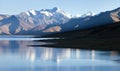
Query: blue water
16, 55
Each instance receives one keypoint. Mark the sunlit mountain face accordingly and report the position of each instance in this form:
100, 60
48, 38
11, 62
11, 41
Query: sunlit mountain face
32, 21
53, 20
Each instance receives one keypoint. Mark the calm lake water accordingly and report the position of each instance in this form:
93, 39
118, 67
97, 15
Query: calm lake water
16, 55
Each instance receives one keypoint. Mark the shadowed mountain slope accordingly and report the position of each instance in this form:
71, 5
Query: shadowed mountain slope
106, 37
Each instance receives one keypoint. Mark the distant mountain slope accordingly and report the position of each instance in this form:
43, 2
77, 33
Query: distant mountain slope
3, 16
103, 18
111, 30
9, 25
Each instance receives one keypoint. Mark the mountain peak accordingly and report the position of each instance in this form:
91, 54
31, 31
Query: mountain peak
88, 14
56, 9
13, 17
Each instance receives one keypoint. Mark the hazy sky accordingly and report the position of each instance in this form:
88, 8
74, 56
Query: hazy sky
70, 6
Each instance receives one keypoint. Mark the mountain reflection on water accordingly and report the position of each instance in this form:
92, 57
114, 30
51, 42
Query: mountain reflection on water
16, 55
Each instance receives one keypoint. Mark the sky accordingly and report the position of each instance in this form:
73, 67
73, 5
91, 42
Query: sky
70, 6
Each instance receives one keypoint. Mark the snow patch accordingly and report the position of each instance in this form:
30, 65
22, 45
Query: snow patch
28, 13
32, 12
46, 13
78, 15
69, 15
88, 14
65, 14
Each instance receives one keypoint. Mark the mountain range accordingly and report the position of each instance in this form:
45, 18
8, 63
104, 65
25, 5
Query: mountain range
48, 21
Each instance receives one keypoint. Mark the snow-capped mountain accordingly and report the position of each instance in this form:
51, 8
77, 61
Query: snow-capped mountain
33, 19
53, 20
45, 16
84, 15
88, 14
48, 12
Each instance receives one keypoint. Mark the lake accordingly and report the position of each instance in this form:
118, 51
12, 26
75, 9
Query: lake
17, 55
